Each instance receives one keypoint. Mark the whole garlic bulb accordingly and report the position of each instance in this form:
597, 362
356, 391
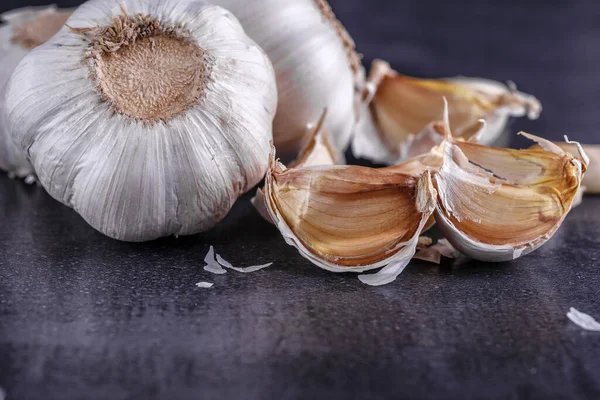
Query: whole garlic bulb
315, 64
149, 119
22, 29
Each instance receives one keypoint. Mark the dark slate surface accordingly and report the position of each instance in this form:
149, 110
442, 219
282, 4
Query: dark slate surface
86, 317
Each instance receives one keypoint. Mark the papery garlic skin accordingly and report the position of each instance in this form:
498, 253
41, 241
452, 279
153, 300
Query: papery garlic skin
591, 179
315, 64
350, 218
500, 204
397, 110
14, 45
149, 118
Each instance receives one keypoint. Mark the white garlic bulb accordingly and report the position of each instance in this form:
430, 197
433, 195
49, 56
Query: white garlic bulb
315, 64
22, 29
149, 119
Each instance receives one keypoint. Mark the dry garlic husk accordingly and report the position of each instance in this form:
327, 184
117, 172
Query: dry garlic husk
399, 108
21, 30
149, 119
498, 204
315, 63
349, 218
591, 179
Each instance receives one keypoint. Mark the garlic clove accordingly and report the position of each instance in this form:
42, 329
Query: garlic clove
499, 204
350, 218
22, 29
149, 119
398, 107
316, 67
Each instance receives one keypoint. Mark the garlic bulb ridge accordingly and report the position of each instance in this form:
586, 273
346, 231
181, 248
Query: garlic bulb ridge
149, 118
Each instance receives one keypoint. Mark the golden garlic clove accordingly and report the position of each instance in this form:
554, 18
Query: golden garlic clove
401, 107
499, 204
350, 218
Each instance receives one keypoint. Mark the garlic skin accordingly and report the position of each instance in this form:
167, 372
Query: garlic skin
348, 218
398, 108
499, 204
591, 180
149, 118
315, 63
21, 30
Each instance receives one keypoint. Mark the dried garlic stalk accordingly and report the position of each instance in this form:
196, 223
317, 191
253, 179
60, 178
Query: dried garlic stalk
398, 108
350, 218
499, 204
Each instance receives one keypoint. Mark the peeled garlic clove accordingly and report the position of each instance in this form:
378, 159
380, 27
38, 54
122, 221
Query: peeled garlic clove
400, 107
22, 29
350, 218
499, 204
315, 63
149, 119
318, 150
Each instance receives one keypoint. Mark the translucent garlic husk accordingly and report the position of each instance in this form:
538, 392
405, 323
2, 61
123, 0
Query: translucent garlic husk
315, 64
499, 204
21, 30
349, 218
148, 117
397, 110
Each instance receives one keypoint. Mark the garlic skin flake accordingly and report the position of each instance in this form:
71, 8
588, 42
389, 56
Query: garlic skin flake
397, 110
315, 63
149, 119
21, 30
499, 204
350, 218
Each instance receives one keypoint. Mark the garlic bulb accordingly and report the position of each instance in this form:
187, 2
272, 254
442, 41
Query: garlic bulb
149, 119
315, 64
499, 204
399, 108
348, 218
22, 29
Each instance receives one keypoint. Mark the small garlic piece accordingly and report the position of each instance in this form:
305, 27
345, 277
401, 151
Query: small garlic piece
315, 64
499, 204
349, 218
149, 117
22, 30
398, 108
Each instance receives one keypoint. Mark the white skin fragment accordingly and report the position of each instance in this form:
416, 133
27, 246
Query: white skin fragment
583, 320
204, 285
211, 264
252, 268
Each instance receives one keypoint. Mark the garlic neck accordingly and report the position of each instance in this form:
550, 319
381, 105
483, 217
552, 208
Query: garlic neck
144, 70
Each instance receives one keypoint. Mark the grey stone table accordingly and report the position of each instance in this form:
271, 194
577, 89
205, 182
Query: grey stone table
86, 317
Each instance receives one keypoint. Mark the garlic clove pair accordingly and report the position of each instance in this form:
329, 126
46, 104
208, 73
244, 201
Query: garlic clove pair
21, 30
316, 66
397, 109
350, 218
149, 118
498, 204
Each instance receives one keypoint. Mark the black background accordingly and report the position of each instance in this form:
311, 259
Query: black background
83, 316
